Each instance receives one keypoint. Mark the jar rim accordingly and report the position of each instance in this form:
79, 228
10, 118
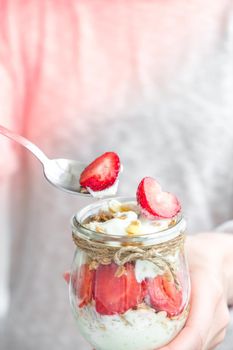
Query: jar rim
153, 238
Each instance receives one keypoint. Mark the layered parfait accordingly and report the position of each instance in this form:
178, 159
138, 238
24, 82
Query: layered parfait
129, 287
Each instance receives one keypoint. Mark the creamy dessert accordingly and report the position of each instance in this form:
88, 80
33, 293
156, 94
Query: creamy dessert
136, 306
129, 286
135, 330
125, 219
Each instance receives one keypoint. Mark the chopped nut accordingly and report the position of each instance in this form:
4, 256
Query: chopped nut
123, 318
114, 206
143, 306
93, 265
100, 229
136, 223
172, 222
122, 217
129, 207
103, 327
102, 216
120, 271
105, 216
125, 207
134, 227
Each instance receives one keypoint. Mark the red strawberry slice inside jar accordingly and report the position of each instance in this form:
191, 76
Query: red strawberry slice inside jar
164, 296
115, 294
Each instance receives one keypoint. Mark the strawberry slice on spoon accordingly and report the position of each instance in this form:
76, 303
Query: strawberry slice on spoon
154, 202
102, 173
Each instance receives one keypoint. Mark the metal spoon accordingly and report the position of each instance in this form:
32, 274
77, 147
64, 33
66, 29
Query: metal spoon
62, 173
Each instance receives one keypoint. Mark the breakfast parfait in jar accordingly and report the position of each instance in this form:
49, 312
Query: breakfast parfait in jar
129, 283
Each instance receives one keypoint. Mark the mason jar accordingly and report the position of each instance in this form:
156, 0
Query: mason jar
129, 292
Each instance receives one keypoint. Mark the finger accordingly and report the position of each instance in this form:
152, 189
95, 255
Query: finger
66, 276
217, 340
188, 338
218, 330
200, 319
204, 299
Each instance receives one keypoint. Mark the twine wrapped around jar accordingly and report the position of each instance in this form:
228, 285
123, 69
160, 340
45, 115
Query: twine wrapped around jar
104, 255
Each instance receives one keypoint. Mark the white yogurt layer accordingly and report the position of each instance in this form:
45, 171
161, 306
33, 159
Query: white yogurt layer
119, 224
146, 269
108, 192
141, 329
114, 226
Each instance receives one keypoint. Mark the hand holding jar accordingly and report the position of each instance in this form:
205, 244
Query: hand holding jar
210, 263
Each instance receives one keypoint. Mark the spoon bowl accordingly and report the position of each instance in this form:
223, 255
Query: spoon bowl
64, 174
61, 173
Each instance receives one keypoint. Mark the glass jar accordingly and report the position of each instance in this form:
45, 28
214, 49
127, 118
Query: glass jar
129, 292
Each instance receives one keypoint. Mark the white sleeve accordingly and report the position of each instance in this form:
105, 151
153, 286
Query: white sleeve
8, 165
226, 226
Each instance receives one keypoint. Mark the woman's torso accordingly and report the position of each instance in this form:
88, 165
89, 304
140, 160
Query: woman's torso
150, 80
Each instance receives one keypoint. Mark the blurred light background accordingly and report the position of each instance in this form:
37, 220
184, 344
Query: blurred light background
151, 80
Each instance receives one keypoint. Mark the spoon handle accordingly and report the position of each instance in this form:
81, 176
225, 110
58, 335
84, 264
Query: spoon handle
25, 143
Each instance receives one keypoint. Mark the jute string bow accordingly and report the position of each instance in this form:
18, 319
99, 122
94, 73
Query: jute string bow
157, 253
